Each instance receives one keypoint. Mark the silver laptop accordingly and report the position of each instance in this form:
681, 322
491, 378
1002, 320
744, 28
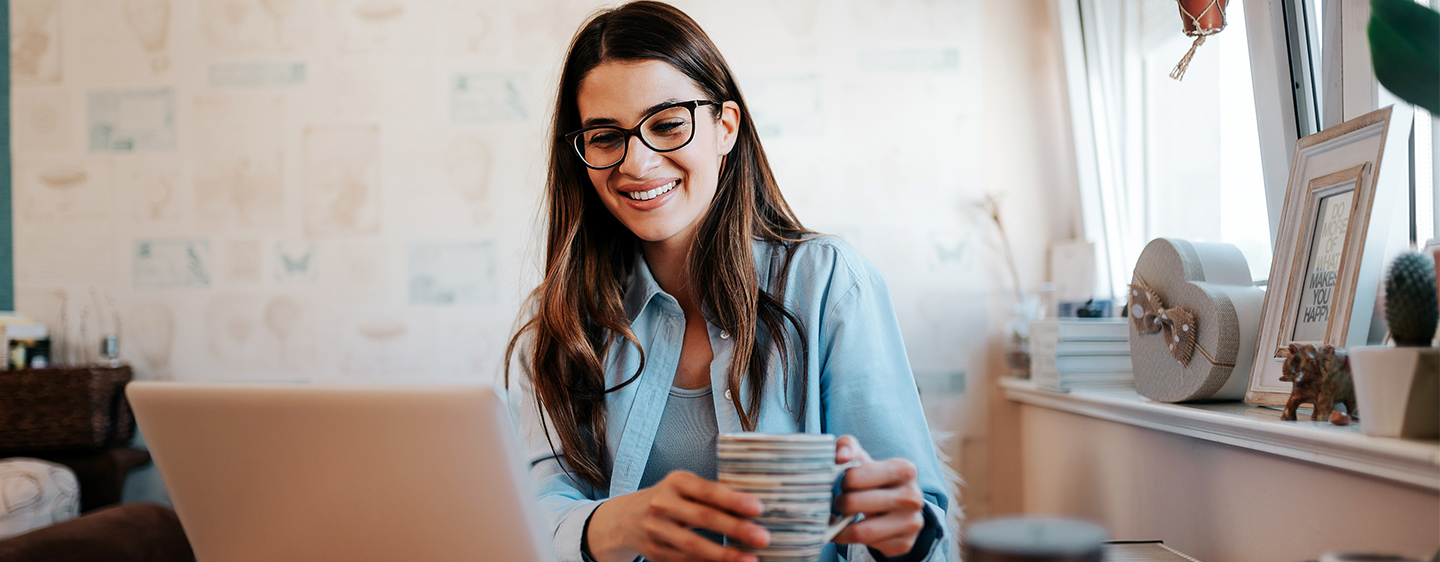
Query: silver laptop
325, 472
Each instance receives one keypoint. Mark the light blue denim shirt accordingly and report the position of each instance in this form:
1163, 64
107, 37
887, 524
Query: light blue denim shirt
858, 377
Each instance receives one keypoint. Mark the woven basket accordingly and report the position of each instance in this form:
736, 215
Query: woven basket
64, 409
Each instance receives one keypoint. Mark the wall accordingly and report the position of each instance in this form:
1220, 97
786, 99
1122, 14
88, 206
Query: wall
1213, 501
348, 190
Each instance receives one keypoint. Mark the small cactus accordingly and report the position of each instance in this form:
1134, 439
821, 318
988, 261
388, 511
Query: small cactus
1411, 308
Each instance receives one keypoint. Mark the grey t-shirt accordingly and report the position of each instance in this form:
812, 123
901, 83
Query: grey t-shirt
685, 441
686, 437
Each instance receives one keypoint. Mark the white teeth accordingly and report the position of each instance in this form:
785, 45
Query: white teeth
648, 195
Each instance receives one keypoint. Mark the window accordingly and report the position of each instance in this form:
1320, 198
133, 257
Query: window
1200, 158
1315, 70
1171, 158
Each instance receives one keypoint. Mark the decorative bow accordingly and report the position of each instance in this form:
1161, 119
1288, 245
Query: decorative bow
1149, 316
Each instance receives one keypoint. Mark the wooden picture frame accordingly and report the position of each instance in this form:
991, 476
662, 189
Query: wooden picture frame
1319, 279
1335, 231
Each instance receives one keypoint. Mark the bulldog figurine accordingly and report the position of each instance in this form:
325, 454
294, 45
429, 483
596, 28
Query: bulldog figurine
1321, 377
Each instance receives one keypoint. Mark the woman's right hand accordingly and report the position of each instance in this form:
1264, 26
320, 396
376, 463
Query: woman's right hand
656, 522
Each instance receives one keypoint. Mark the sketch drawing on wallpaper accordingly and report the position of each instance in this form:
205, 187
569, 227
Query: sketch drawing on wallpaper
929, 19
378, 347
453, 273
342, 180
54, 253
228, 326
468, 25
242, 262
35, 41
42, 121
467, 165
786, 106
244, 192
151, 331
278, 11
248, 26
910, 60
282, 318
64, 189
170, 263
238, 176
380, 331
256, 74
360, 272
388, 344
488, 97
150, 20
294, 262
372, 26
153, 189
243, 330
132, 120
949, 250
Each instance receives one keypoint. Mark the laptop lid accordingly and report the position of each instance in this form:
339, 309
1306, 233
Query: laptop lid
330, 472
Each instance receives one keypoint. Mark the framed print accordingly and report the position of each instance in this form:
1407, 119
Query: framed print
1335, 231
1319, 279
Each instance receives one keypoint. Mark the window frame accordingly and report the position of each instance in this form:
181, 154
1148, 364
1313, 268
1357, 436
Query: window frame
1291, 102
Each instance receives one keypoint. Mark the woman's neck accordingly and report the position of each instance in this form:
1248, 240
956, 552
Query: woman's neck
667, 260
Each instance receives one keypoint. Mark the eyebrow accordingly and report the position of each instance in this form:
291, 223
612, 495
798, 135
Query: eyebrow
598, 121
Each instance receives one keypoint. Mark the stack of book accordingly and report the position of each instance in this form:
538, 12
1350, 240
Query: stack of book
1069, 353
24, 343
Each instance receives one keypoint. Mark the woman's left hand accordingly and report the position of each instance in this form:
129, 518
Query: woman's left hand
887, 493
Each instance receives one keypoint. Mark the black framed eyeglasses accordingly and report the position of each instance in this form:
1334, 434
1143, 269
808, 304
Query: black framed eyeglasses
665, 129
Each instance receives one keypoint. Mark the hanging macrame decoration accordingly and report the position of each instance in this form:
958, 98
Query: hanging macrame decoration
1202, 18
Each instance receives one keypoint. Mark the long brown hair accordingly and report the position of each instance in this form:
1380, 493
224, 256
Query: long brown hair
589, 254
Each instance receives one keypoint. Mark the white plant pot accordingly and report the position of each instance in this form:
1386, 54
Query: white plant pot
1397, 390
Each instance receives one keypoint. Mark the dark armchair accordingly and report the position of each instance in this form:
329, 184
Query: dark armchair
134, 532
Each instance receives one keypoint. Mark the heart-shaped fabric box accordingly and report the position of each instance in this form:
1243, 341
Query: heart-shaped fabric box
1212, 282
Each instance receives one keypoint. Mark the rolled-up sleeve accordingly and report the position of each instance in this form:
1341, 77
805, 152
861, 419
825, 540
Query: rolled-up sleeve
867, 388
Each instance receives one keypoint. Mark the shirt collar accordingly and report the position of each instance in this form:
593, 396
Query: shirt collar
641, 287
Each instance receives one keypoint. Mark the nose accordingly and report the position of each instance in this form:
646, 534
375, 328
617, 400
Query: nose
639, 159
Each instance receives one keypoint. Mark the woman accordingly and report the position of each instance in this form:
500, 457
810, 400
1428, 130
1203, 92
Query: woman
681, 299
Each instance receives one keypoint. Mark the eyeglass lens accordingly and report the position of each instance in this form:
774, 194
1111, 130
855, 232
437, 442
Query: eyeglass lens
669, 129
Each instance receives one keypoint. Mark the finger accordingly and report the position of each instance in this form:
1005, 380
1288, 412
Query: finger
904, 499
895, 547
690, 514
885, 529
847, 448
672, 542
883, 474
671, 554
716, 494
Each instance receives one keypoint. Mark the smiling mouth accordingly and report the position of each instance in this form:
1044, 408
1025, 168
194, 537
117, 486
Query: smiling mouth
648, 195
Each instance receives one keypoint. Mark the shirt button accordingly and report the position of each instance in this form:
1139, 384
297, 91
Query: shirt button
724, 335
727, 394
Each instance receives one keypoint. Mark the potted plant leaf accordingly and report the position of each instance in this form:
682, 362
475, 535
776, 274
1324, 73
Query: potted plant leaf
1398, 388
1405, 51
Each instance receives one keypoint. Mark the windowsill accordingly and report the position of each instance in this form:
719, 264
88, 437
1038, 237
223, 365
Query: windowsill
1412, 462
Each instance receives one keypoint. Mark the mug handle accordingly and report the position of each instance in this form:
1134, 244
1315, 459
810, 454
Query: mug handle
840, 524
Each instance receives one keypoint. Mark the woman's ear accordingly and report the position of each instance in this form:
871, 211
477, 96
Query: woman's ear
729, 127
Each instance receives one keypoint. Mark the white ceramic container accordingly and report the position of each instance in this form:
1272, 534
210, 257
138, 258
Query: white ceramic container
1397, 390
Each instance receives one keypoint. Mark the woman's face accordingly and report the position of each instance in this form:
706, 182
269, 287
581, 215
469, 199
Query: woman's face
660, 196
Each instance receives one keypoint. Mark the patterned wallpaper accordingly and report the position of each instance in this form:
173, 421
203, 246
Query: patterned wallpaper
349, 189
290, 189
